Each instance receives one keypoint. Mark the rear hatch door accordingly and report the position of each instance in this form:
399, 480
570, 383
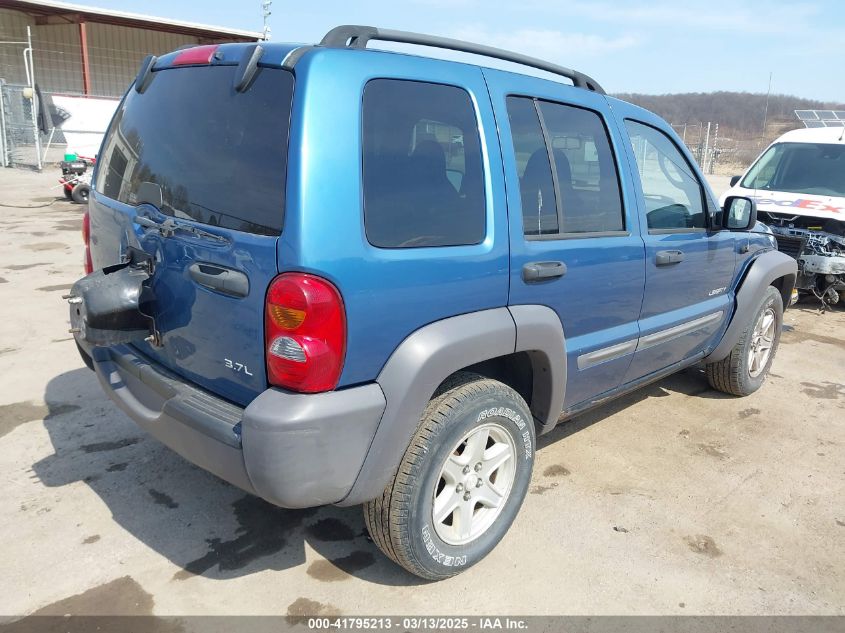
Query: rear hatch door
203, 166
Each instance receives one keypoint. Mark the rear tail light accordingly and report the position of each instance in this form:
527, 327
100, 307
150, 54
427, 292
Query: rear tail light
86, 229
305, 332
86, 238
196, 55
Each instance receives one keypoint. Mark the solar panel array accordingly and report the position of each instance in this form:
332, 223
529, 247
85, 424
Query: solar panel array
821, 118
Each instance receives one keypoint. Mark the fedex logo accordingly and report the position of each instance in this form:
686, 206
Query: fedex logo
800, 203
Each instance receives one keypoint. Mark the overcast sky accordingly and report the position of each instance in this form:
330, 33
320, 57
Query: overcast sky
628, 46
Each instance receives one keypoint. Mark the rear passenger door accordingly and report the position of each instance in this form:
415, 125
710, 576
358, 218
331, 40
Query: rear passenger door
575, 243
689, 264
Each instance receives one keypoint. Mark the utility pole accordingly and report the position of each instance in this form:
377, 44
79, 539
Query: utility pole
265, 9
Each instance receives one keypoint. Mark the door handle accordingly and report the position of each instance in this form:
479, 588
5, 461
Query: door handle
230, 282
538, 271
666, 258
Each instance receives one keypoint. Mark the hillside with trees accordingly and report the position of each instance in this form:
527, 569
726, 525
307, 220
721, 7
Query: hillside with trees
740, 116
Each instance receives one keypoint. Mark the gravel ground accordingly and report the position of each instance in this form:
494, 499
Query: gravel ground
673, 500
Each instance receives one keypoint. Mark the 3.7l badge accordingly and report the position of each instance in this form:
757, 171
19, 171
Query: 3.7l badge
238, 367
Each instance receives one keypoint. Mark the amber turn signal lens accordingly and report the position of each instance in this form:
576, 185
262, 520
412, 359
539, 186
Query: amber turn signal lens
285, 317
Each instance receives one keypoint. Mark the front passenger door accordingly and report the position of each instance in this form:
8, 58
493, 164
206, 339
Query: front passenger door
689, 265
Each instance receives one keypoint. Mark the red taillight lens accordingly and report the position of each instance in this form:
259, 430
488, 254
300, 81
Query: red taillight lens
305, 333
195, 55
86, 237
86, 229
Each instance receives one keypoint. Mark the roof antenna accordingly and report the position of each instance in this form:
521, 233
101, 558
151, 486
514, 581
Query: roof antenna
265, 8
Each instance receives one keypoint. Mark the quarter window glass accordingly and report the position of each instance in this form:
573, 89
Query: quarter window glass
588, 182
423, 177
537, 192
673, 195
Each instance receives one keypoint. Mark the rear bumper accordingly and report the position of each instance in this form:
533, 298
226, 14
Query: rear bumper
294, 450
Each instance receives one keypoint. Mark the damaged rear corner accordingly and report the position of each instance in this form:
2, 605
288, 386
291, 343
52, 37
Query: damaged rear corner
115, 305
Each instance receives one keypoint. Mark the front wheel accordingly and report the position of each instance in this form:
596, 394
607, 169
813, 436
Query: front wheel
461, 481
745, 369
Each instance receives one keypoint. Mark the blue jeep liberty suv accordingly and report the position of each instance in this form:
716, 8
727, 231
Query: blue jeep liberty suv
336, 275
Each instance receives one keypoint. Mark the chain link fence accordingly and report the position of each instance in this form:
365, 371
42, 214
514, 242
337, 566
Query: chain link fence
45, 108
36, 129
725, 151
21, 138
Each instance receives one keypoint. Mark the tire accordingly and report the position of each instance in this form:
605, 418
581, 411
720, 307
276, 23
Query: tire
68, 193
80, 193
401, 521
738, 374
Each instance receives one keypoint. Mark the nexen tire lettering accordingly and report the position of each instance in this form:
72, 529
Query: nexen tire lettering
437, 555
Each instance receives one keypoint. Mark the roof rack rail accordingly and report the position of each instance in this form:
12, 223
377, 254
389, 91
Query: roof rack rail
353, 36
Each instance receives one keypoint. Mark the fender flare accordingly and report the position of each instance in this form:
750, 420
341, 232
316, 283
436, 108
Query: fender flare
434, 352
765, 269
539, 332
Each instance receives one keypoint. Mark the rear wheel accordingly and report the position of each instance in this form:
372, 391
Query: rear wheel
745, 369
461, 481
80, 193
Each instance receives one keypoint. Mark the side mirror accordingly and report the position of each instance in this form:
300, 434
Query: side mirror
734, 180
739, 213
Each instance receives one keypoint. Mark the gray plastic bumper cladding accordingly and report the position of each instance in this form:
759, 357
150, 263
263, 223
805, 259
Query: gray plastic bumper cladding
305, 450
293, 450
431, 354
341, 447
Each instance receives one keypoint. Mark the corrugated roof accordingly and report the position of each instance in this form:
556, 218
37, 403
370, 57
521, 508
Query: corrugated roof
122, 18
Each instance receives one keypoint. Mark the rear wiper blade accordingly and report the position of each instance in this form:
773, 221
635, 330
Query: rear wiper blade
168, 227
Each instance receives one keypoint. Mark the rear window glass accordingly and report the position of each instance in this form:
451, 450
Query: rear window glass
423, 180
219, 156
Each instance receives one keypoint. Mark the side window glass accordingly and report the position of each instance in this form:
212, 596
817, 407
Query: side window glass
422, 170
673, 195
588, 182
537, 191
